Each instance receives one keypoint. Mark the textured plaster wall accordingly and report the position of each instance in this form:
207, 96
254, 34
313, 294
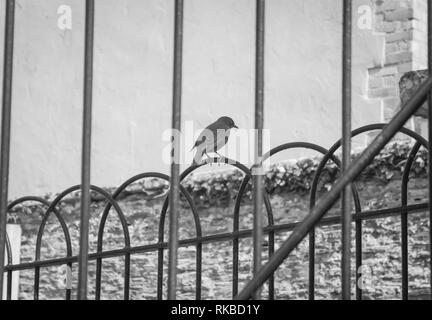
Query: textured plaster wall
133, 81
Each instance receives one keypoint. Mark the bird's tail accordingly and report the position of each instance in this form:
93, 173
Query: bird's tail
197, 160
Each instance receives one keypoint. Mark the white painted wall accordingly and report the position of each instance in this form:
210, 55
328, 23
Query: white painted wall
133, 81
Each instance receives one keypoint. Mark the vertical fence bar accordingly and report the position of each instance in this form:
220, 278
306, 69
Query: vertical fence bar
404, 219
346, 149
404, 236
175, 165
6, 130
271, 289
9, 286
358, 252
86, 151
235, 273
259, 123
429, 18
311, 287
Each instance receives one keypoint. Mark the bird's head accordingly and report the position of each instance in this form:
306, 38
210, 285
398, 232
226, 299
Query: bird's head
227, 122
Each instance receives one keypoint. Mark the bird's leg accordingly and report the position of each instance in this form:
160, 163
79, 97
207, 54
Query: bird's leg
219, 157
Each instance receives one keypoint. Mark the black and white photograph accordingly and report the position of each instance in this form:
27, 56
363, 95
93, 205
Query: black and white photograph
215, 158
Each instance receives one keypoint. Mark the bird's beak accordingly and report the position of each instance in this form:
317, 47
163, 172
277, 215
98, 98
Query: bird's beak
234, 126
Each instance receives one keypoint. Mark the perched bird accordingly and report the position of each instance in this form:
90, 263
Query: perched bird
213, 137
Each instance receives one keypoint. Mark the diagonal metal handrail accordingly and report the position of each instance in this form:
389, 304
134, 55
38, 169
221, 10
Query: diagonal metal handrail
320, 209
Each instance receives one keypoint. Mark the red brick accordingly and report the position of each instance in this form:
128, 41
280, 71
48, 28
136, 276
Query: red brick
405, 67
387, 70
398, 36
375, 82
391, 47
400, 14
385, 26
398, 57
388, 5
383, 93
390, 81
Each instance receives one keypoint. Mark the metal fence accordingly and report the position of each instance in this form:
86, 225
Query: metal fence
344, 186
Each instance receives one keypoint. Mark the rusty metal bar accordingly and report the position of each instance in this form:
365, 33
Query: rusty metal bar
174, 194
86, 150
6, 130
429, 17
330, 198
346, 148
259, 124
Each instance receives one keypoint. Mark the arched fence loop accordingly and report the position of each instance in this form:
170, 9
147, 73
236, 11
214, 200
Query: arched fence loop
324, 152
183, 175
63, 226
104, 217
404, 213
236, 218
271, 229
330, 155
198, 233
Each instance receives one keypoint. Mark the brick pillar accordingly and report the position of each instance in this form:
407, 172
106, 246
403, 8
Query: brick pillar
402, 24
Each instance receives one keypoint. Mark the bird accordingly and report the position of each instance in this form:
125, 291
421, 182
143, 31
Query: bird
213, 138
